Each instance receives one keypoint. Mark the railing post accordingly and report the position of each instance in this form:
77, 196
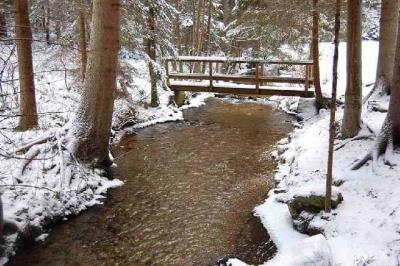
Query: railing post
262, 73
257, 79
167, 72
307, 81
211, 76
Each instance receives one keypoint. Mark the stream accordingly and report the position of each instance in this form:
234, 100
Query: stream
190, 188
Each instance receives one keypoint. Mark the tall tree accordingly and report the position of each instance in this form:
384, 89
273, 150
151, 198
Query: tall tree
389, 136
353, 102
92, 125
387, 43
28, 114
207, 47
315, 55
82, 37
3, 22
179, 96
151, 52
332, 128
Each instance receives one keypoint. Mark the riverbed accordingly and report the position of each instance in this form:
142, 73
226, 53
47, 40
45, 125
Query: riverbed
190, 189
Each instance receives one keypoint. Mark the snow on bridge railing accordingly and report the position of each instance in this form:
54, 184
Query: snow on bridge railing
219, 59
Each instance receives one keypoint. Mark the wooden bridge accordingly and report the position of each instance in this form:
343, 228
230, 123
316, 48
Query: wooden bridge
222, 75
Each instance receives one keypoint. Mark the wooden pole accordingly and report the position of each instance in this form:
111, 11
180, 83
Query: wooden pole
257, 79
262, 73
167, 72
307, 81
211, 76
329, 176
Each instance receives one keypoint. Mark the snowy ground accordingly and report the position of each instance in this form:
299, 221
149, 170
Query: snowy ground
51, 187
365, 228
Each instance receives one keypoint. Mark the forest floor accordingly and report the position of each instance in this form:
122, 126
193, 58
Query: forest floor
365, 227
40, 184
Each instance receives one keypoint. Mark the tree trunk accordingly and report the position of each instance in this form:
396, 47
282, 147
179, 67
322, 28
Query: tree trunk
92, 124
194, 41
82, 38
389, 136
209, 26
353, 103
179, 96
200, 27
387, 43
1, 227
28, 118
193, 35
332, 128
315, 55
46, 20
151, 52
57, 29
3, 22
199, 33
227, 12
394, 106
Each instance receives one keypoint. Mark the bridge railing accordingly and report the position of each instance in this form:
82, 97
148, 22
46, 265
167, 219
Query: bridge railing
210, 69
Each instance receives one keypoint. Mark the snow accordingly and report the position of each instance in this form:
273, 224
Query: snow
364, 229
233, 59
309, 251
369, 62
276, 217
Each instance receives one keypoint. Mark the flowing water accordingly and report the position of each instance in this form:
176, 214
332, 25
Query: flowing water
190, 188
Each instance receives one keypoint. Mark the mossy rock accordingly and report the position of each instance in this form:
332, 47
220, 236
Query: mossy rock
311, 204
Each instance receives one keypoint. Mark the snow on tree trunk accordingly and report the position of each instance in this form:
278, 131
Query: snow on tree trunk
92, 124
28, 115
353, 103
387, 43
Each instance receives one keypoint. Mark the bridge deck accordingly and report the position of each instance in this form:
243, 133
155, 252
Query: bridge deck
212, 80
240, 89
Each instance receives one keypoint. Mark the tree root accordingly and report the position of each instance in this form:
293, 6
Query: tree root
382, 85
30, 156
384, 144
362, 137
40, 140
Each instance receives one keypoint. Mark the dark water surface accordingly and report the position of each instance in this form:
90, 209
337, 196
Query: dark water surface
188, 197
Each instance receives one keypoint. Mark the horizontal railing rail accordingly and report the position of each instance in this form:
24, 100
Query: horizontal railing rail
210, 68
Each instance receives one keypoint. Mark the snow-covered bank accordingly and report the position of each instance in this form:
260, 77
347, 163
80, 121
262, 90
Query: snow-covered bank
42, 184
364, 229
